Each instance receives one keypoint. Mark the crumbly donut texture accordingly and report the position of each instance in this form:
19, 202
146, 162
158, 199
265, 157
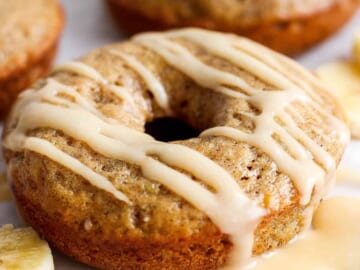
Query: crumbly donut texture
29, 32
160, 230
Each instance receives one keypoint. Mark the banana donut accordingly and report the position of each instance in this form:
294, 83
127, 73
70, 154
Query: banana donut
288, 26
29, 34
99, 189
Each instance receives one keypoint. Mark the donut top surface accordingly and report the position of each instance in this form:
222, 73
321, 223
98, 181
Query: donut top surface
228, 12
255, 109
27, 28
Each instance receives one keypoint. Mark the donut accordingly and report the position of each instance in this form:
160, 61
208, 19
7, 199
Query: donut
88, 178
288, 26
29, 34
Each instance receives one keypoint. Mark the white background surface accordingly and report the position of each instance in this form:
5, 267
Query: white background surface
89, 26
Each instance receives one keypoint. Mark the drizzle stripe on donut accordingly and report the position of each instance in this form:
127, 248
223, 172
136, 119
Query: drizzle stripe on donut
119, 142
270, 103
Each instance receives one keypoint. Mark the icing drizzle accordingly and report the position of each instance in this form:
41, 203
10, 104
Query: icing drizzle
270, 103
80, 119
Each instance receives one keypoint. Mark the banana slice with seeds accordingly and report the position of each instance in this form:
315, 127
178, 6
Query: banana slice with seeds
22, 249
343, 80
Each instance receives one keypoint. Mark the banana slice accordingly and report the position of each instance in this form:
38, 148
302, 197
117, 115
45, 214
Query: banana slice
22, 249
343, 79
5, 194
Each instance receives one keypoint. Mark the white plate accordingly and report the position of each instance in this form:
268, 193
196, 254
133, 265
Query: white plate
89, 26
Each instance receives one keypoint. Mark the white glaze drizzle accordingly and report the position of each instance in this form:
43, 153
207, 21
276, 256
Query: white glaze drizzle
119, 142
44, 108
81, 69
89, 72
154, 85
51, 151
277, 62
202, 74
265, 123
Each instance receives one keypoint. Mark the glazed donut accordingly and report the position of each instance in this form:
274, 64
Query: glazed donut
91, 182
288, 26
29, 33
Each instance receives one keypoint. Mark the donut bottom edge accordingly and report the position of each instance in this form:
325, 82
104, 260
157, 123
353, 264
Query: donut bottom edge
203, 251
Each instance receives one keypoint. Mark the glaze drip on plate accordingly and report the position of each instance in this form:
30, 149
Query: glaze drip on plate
333, 243
298, 156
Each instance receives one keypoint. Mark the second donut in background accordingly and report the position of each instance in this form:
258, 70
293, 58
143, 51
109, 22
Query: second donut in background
29, 36
288, 26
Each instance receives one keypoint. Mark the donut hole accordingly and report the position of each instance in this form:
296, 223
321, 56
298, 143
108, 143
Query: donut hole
168, 129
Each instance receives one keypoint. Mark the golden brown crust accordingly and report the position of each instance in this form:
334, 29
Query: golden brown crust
286, 34
160, 230
32, 58
208, 250
23, 78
